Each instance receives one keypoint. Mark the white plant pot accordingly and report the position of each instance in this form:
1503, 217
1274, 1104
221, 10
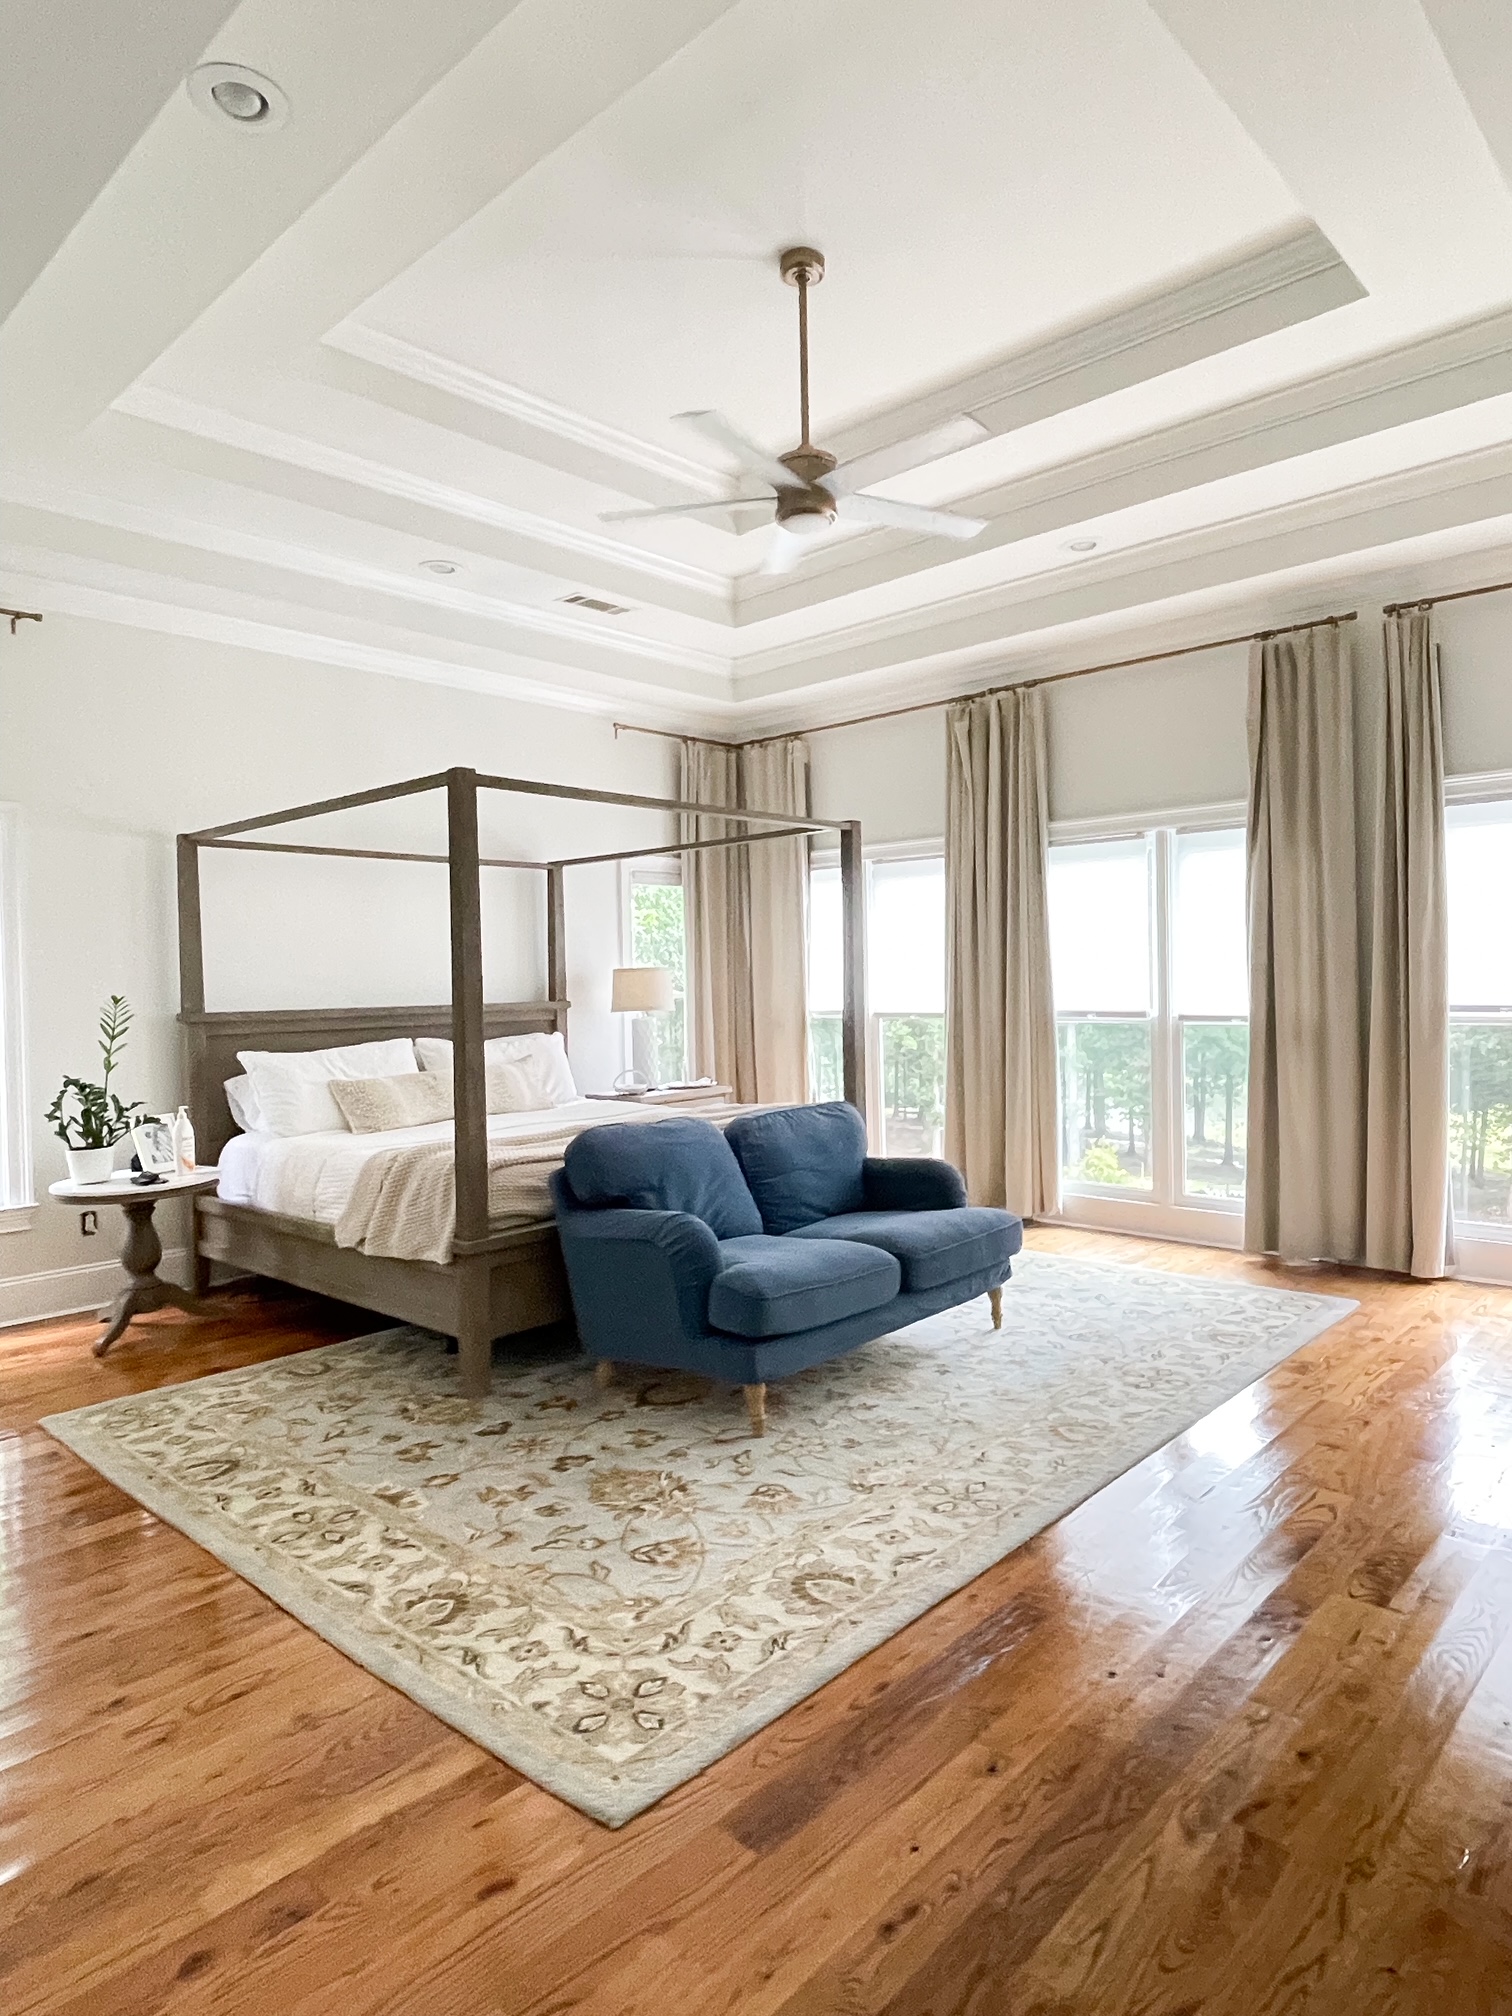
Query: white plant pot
90, 1165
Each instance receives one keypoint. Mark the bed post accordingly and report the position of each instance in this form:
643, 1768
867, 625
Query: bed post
556, 932
853, 926
469, 1086
191, 943
191, 957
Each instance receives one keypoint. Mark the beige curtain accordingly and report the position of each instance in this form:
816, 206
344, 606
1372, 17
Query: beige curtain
774, 777
1000, 1077
1348, 1155
1305, 1161
747, 922
1408, 1226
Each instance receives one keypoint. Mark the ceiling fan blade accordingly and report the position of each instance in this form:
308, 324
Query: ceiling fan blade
785, 551
908, 517
676, 510
755, 461
949, 438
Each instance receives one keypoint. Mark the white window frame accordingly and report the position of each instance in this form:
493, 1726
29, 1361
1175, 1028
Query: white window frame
17, 1194
1481, 1252
1166, 1210
880, 851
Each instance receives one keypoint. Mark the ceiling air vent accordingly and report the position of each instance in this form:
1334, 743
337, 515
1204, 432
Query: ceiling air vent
598, 607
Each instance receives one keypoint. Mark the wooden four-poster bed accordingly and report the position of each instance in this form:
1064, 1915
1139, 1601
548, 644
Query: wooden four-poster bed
498, 1281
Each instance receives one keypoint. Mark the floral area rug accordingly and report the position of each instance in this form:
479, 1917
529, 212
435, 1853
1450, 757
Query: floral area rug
609, 1590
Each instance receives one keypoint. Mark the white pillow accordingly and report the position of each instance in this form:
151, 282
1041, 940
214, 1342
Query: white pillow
545, 1075
245, 1110
292, 1087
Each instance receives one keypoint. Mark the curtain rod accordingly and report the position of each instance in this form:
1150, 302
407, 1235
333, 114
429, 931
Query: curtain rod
984, 692
1432, 601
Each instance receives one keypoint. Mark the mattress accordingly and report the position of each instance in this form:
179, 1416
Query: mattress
313, 1175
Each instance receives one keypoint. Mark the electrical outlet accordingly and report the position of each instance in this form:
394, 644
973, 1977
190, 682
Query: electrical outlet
89, 1223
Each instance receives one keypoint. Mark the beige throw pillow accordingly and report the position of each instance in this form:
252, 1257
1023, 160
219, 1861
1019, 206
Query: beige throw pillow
374, 1105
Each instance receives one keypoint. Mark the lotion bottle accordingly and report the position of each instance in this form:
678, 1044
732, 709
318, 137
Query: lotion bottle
183, 1142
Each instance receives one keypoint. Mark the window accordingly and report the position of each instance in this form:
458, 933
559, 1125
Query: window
1210, 1001
1148, 949
1479, 848
15, 1134
1100, 954
905, 948
659, 1043
905, 929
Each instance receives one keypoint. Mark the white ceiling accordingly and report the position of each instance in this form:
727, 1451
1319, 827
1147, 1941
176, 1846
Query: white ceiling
1230, 288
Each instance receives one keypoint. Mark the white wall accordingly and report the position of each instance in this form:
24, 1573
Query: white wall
113, 739
1158, 737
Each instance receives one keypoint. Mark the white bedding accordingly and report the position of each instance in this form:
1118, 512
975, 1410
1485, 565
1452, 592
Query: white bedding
314, 1175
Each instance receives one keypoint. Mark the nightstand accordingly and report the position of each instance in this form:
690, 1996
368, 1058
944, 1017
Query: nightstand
142, 1249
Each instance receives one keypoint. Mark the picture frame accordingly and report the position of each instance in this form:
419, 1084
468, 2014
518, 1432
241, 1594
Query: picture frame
153, 1141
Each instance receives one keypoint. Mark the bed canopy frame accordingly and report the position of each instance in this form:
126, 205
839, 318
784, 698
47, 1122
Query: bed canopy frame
497, 1282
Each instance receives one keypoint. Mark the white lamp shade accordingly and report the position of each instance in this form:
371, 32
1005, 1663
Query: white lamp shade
642, 990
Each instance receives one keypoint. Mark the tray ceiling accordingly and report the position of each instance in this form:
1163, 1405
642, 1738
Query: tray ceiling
1230, 289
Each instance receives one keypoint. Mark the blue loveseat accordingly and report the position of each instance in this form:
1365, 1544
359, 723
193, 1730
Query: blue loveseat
754, 1252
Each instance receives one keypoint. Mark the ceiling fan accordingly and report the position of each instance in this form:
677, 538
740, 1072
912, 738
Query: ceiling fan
813, 491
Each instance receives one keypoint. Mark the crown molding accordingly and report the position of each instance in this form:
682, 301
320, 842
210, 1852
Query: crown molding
153, 403
1174, 599
1455, 367
1410, 532
1268, 287
60, 585
1322, 539
541, 416
172, 528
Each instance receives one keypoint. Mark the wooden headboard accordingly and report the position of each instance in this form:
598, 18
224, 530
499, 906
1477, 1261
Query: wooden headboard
212, 1041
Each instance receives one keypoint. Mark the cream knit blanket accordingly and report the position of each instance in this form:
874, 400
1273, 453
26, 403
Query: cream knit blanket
404, 1203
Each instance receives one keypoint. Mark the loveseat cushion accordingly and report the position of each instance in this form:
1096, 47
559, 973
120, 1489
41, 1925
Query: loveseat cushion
802, 1162
771, 1287
663, 1165
933, 1248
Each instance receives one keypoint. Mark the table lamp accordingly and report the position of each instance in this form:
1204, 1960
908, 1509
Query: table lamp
640, 991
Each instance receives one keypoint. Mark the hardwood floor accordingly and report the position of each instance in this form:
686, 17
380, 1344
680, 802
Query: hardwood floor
1235, 1736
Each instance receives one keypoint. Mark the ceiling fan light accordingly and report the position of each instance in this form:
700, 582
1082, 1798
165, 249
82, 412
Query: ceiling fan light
808, 524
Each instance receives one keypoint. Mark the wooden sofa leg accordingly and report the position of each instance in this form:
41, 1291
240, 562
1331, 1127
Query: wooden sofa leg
603, 1373
755, 1399
995, 1297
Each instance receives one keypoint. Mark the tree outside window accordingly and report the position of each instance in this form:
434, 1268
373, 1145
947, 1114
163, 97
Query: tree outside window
658, 938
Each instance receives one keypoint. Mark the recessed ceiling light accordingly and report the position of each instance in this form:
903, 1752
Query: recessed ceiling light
240, 97
440, 566
1081, 545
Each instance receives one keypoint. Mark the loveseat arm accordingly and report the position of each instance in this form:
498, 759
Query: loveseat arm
911, 1183
639, 1279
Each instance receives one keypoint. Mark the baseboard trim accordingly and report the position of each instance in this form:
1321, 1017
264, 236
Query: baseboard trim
66, 1291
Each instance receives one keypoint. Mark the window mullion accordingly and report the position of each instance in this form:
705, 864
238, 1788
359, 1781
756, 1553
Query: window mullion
1165, 1089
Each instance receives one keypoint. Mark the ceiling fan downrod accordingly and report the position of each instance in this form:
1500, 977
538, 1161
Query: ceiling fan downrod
802, 267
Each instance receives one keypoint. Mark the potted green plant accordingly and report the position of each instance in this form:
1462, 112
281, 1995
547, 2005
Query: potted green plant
90, 1119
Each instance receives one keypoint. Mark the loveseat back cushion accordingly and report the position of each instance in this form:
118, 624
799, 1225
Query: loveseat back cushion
772, 1287
662, 1165
933, 1248
802, 1162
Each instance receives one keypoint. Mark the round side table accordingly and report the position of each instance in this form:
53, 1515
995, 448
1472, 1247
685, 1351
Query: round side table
141, 1250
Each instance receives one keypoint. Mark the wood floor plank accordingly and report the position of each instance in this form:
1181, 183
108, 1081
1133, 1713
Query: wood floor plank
1233, 1738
